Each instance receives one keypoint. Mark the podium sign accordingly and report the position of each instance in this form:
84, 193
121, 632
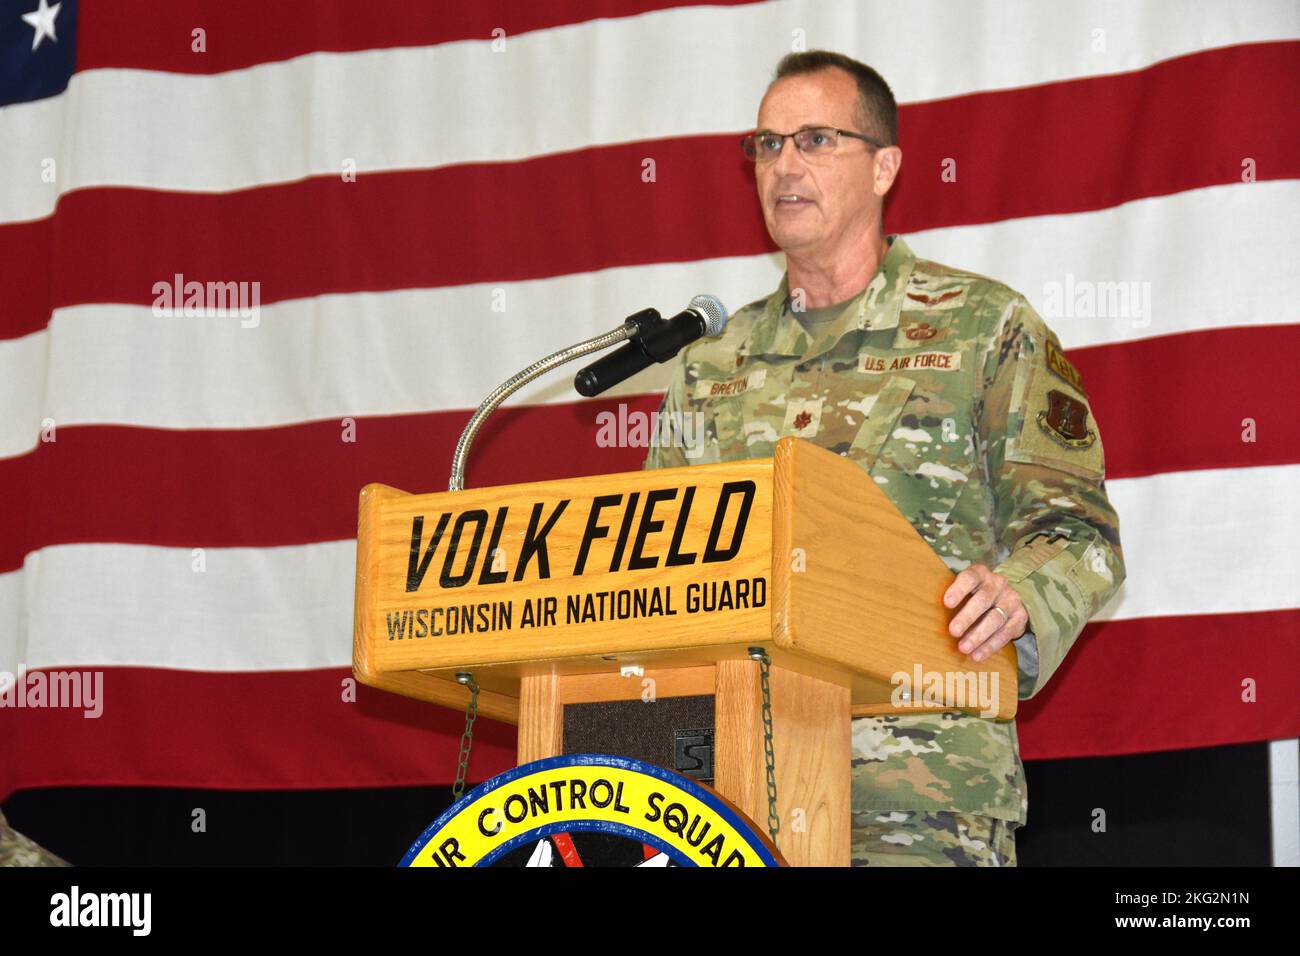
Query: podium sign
599, 565
800, 554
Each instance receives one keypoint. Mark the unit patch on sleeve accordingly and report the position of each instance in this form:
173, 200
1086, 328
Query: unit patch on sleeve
1066, 420
1051, 422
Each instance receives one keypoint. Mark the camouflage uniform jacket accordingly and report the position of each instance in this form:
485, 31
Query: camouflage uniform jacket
951, 392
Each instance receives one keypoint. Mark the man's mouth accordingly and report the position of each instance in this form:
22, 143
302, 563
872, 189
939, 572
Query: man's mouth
792, 200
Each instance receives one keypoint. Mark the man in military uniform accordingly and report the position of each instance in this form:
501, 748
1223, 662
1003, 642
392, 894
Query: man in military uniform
949, 390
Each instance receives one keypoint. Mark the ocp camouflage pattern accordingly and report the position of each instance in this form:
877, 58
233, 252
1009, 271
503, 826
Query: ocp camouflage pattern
18, 850
953, 394
918, 838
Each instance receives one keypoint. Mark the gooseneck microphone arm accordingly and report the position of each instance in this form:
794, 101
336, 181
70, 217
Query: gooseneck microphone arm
631, 327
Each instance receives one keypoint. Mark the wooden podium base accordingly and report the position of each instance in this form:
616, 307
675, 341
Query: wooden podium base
811, 725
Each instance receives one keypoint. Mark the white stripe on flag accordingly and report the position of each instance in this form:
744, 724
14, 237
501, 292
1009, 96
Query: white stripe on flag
388, 353
1211, 541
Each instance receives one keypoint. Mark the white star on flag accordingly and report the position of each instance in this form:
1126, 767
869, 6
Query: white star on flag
42, 21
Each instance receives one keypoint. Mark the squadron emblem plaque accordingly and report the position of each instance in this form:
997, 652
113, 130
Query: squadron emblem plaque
592, 810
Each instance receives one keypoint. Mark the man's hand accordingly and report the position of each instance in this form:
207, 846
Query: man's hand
983, 632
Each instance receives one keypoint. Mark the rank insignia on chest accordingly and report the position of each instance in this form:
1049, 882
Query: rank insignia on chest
802, 418
1066, 420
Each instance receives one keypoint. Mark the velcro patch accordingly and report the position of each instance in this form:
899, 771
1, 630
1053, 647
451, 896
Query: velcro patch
1031, 556
1060, 365
951, 299
915, 334
708, 388
1056, 428
1066, 420
912, 362
803, 418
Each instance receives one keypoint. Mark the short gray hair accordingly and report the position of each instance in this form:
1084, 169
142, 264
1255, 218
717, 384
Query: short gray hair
877, 111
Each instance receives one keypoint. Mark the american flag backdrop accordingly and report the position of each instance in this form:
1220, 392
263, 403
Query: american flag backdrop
420, 198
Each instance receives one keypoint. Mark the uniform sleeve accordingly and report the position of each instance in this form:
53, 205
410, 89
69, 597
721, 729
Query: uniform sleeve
663, 451
1046, 466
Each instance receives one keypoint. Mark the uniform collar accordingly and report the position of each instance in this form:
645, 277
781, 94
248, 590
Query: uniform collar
875, 307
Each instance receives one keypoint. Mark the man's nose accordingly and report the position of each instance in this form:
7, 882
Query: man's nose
789, 161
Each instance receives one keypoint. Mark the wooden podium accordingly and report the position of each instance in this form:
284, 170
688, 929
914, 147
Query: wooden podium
656, 584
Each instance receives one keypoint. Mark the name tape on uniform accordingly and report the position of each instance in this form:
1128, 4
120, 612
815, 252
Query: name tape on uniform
706, 388
918, 361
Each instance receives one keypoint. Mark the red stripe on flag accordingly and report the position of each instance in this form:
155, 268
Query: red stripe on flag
1128, 687
1081, 145
1094, 143
283, 730
397, 230
1167, 683
104, 483
272, 486
242, 33
1158, 412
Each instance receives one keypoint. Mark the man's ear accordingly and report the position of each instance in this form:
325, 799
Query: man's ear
885, 166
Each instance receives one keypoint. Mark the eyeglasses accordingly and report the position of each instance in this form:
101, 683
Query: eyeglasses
816, 142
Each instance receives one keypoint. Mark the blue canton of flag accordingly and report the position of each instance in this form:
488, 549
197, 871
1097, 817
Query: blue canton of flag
38, 48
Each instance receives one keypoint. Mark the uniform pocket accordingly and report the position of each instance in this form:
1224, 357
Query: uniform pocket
918, 448
1092, 577
882, 415
1031, 556
720, 431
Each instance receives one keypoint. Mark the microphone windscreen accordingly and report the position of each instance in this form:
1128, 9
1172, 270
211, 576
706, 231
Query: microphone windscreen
714, 312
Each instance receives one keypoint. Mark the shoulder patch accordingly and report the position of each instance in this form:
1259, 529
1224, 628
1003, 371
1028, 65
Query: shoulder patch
1055, 426
1058, 363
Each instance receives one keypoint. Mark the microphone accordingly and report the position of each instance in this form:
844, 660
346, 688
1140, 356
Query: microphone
657, 340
